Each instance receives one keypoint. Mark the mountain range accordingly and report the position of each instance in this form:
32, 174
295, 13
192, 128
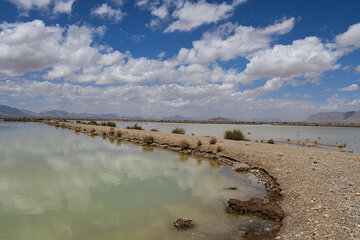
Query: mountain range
348, 117
7, 111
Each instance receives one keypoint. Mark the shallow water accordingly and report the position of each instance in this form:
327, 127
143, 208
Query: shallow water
55, 184
324, 135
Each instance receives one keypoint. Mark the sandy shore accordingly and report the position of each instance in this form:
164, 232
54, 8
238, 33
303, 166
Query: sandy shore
320, 188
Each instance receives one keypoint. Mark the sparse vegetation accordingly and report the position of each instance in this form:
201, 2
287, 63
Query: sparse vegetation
235, 134
118, 133
148, 139
93, 123
178, 130
219, 149
199, 143
154, 130
92, 130
135, 127
184, 145
213, 140
111, 132
271, 141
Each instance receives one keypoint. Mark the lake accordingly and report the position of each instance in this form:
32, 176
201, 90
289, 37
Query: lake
55, 184
324, 135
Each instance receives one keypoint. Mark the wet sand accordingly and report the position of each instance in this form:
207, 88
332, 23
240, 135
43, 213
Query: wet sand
320, 189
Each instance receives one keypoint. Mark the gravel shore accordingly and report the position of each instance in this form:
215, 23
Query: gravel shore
320, 188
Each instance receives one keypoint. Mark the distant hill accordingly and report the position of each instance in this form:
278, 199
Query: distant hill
349, 117
6, 111
176, 117
219, 119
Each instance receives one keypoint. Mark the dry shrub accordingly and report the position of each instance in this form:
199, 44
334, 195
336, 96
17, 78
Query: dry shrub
148, 139
199, 143
219, 149
111, 132
184, 144
213, 140
118, 133
178, 130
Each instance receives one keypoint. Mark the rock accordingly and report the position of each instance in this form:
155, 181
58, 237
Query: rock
181, 223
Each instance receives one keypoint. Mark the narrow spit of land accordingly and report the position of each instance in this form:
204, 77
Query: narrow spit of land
320, 188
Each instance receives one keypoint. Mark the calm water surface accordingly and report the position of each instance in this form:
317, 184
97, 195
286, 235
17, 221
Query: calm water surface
55, 184
325, 135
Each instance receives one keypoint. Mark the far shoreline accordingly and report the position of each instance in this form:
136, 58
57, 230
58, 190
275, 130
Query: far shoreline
273, 123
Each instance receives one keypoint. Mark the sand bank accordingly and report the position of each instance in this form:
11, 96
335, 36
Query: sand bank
320, 189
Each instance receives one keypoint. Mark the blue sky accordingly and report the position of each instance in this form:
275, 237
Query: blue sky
241, 59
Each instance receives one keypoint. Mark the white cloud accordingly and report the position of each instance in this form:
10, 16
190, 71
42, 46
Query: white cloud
63, 6
191, 85
105, 11
29, 4
192, 15
27, 47
59, 6
357, 69
161, 12
352, 87
350, 38
307, 58
230, 41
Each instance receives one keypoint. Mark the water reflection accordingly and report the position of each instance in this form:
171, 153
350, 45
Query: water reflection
58, 185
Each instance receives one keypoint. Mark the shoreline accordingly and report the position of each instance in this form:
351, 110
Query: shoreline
288, 123
319, 192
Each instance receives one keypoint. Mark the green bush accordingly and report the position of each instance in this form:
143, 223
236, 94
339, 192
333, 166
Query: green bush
178, 130
111, 124
235, 134
136, 127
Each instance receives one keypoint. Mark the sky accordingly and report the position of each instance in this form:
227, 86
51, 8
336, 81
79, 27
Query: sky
240, 59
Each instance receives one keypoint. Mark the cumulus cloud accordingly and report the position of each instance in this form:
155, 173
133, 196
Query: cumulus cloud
230, 41
161, 12
59, 6
27, 47
192, 15
352, 87
307, 58
106, 11
29, 4
191, 82
63, 6
350, 38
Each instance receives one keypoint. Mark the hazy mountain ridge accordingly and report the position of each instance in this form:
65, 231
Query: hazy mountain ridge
349, 117
7, 111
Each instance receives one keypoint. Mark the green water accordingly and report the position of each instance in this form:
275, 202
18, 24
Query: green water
55, 184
